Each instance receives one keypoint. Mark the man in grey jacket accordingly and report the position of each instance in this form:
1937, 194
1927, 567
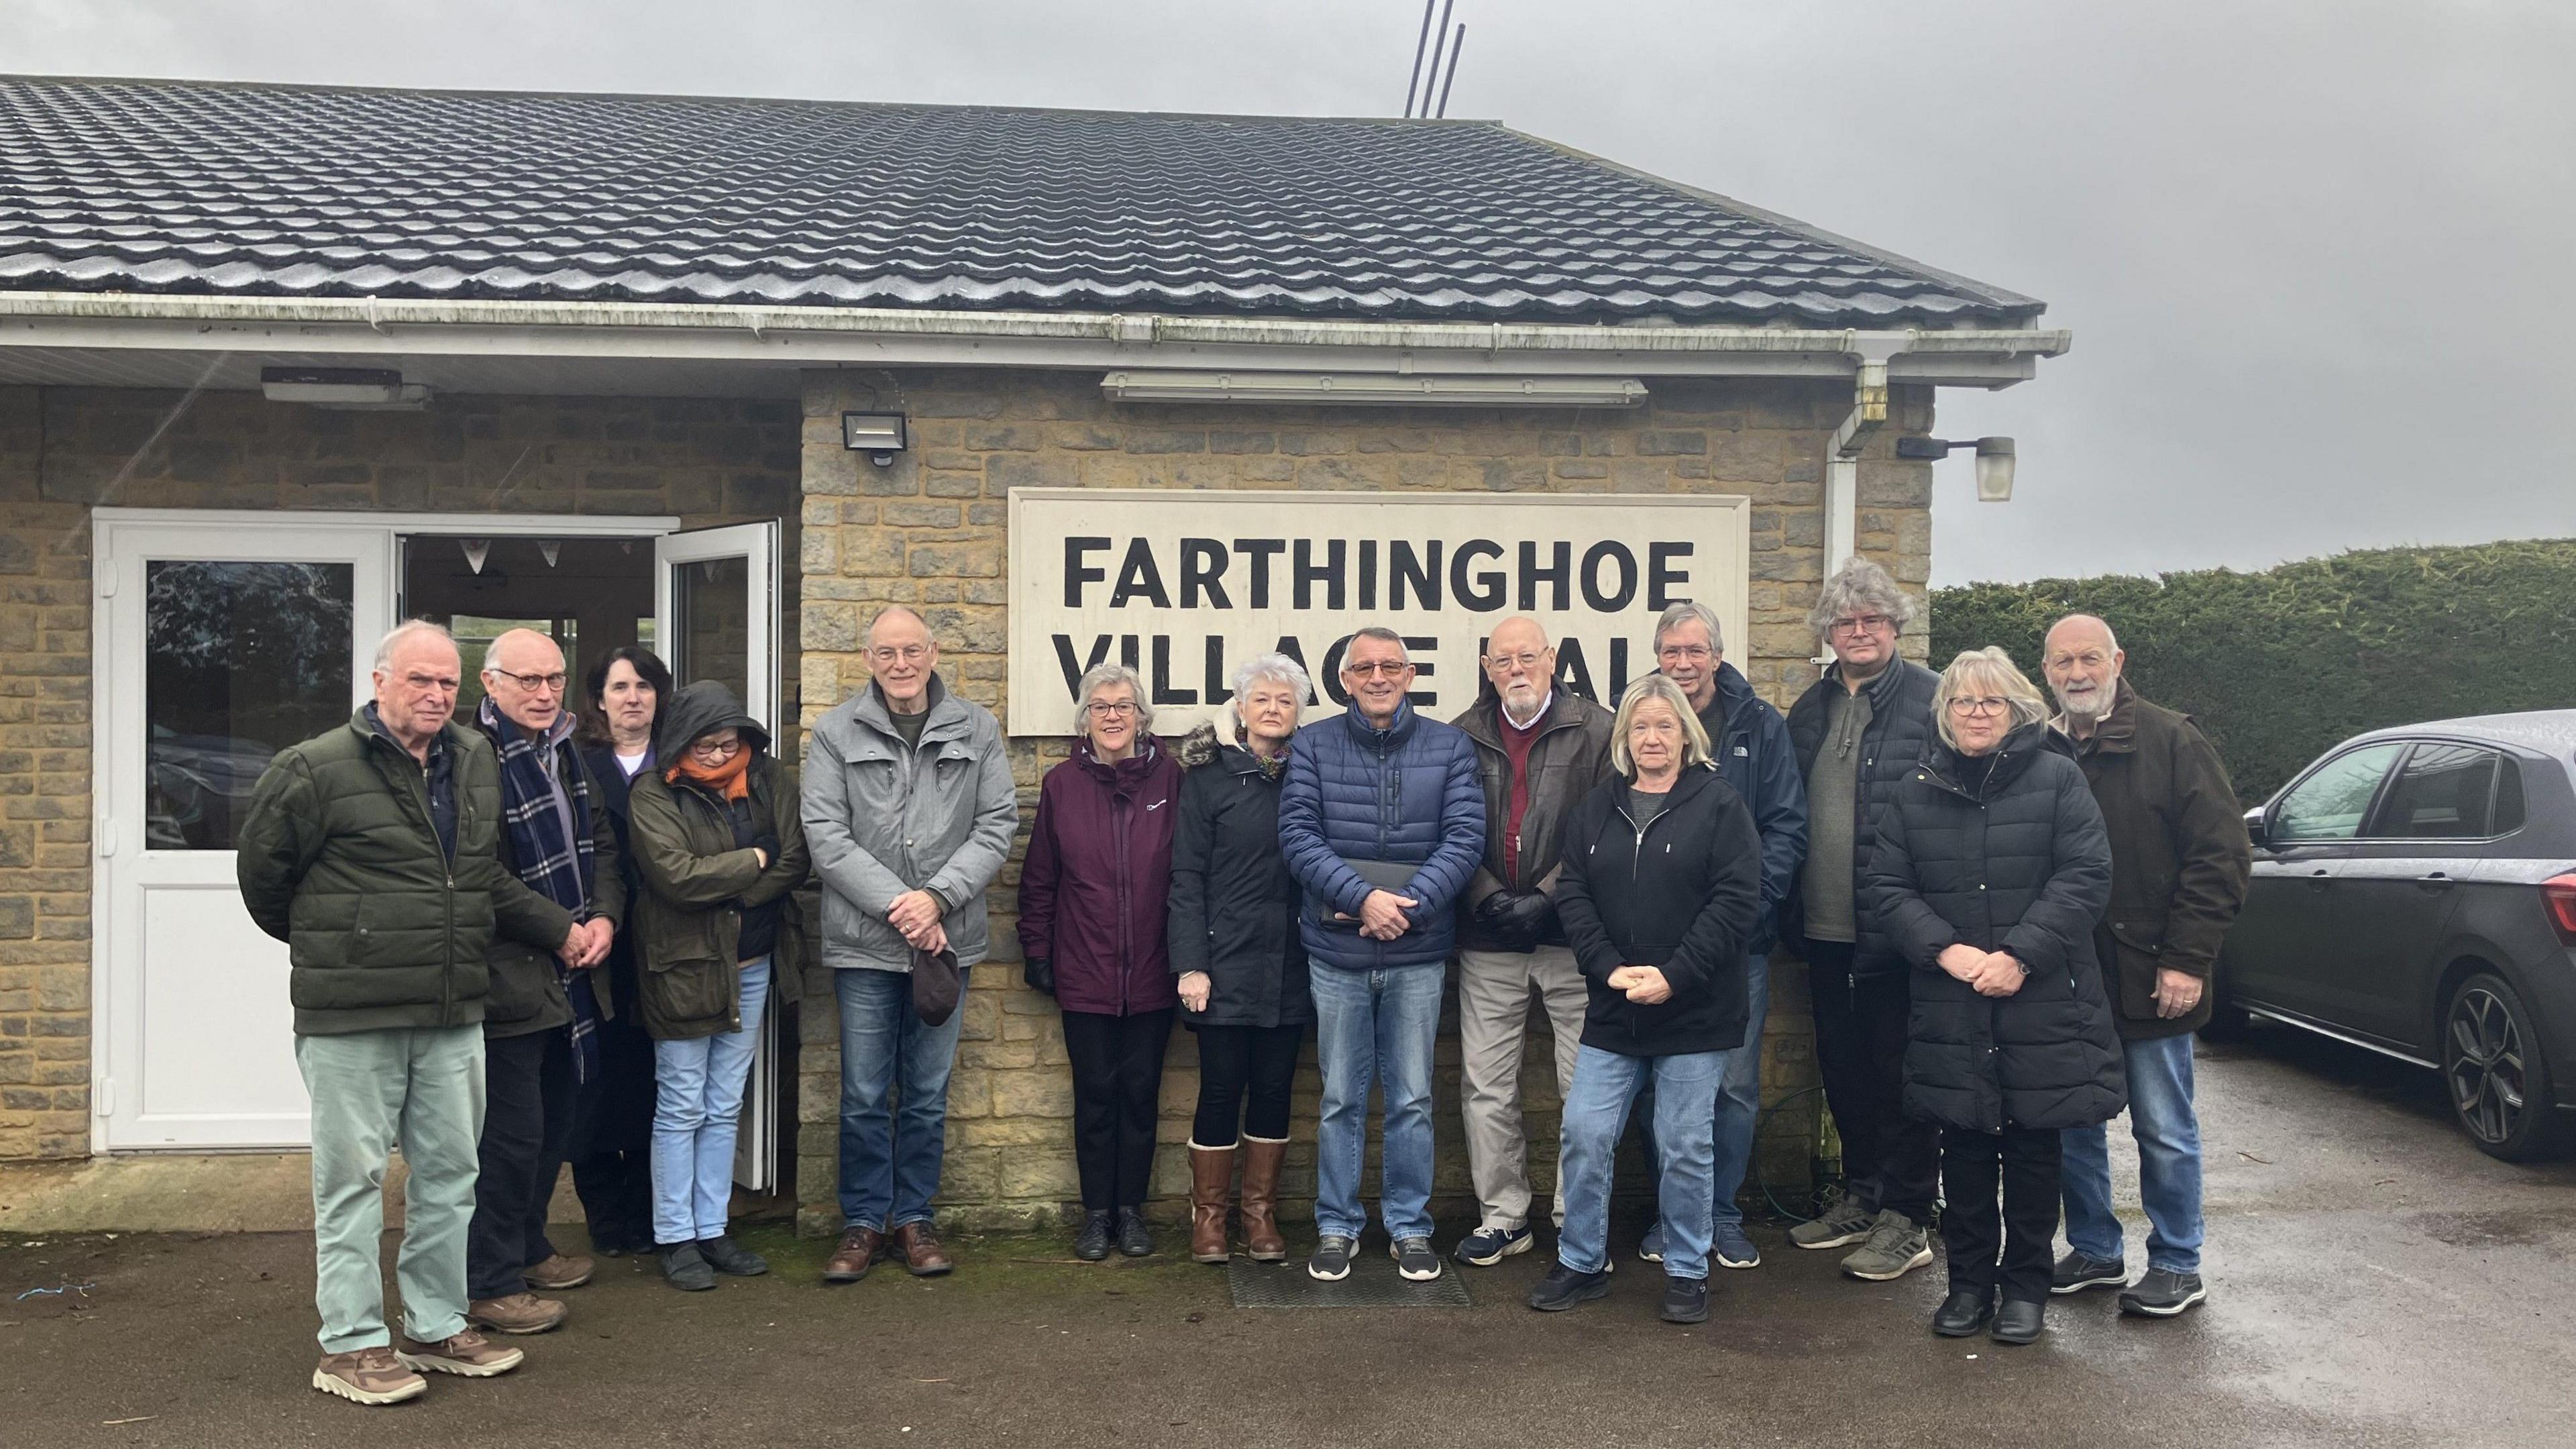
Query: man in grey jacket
909, 808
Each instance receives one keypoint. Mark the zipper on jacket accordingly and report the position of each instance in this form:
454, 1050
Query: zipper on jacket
447, 859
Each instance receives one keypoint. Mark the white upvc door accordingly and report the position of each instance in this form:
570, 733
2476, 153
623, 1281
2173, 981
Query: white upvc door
221, 639
716, 606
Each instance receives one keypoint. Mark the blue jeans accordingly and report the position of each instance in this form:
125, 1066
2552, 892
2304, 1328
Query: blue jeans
1375, 1025
697, 1112
1739, 1097
1596, 1112
2168, 1133
891, 1150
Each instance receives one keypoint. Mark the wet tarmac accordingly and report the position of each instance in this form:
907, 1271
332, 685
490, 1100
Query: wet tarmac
2375, 1281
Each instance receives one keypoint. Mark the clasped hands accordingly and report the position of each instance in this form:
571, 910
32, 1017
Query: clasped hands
1991, 973
1382, 915
916, 914
1645, 985
586, 945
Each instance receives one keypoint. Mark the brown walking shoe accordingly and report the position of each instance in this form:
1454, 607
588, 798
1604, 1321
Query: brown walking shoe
1262, 1157
368, 1376
860, 1248
1211, 1183
922, 1255
464, 1353
518, 1313
557, 1273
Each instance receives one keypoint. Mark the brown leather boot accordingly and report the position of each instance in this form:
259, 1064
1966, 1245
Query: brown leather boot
922, 1255
1211, 1183
860, 1248
1261, 1159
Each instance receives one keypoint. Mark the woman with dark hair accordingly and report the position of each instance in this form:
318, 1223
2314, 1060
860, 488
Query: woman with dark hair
612, 1165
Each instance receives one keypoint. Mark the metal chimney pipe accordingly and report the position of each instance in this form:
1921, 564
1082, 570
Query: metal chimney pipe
1413, 77
1456, 44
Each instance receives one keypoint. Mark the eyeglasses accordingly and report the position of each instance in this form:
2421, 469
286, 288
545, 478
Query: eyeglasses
1686, 653
534, 683
1383, 669
1982, 704
715, 749
1523, 660
1111, 709
1859, 624
908, 653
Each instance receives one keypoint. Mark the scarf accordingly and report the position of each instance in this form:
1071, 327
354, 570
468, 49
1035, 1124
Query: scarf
549, 863
732, 779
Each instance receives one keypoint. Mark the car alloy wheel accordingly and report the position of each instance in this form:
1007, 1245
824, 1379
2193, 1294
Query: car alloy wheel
2485, 1065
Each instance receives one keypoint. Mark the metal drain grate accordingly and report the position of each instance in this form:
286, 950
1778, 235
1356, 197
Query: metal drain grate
1373, 1283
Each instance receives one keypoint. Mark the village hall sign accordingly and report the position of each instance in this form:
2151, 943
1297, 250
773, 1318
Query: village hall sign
1183, 585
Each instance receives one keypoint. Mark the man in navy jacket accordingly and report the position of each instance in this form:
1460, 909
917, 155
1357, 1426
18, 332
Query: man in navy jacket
1382, 821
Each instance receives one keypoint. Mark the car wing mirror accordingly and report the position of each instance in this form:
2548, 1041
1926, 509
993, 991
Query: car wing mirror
2254, 823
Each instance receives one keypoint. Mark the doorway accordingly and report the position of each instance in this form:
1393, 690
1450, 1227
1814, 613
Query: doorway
219, 638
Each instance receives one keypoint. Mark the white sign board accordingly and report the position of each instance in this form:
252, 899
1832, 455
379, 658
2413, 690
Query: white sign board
1184, 585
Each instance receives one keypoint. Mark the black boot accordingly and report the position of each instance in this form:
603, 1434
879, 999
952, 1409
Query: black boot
1134, 1238
1962, 1313
1092, 1243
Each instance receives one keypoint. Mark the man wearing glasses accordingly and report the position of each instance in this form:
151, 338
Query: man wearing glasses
541, 1021
1858, 731
909, 810
1382, 821
1539, 751
1754, 755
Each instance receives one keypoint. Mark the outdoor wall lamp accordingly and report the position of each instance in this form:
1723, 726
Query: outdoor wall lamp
1994, 461
879, 435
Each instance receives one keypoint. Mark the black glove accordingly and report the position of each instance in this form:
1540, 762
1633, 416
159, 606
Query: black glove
1517, 916
1039, 974
767, 845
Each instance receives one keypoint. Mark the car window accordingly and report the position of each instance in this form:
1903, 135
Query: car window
2329, 804
2508, 796
2442, 792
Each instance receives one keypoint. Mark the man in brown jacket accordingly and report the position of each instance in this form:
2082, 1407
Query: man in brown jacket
2179, 864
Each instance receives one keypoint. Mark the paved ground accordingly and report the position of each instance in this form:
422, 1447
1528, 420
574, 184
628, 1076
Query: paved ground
2377, 1282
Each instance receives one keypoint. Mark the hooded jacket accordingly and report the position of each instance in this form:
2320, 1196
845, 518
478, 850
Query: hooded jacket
2004, 852
1682, 897
884, 818
1900, 727
1570, 756
699, 877
2180, 861
1234, 903
1751, 745
1095, 886
1405, 795
386, 925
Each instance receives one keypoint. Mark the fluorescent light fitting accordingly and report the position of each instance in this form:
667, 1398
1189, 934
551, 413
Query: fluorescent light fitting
379, 388
1376, 388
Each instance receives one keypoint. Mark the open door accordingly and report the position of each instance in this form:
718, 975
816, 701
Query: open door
716, 615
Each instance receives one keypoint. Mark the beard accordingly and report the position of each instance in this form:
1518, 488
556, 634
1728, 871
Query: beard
2085, 704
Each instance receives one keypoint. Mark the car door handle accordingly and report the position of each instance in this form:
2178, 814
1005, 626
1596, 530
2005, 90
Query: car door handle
2436, 881
2320, 878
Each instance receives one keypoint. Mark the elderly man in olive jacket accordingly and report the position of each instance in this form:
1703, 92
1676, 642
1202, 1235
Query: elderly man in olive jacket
373, 852
2179, 865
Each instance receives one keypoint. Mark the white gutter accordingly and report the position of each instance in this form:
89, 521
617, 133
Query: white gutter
868, 336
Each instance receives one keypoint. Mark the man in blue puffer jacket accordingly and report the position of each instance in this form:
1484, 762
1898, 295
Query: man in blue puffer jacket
1382, 820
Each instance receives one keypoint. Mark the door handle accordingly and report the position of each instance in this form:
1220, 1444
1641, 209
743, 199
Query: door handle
2320, 878
2436, 881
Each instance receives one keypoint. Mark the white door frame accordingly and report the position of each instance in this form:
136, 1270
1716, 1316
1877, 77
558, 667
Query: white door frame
121, 540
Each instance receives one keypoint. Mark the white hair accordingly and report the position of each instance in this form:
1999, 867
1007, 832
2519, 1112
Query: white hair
1685, 611
1987, 668
1280, 667
1101, 676
1859, 586
406, 629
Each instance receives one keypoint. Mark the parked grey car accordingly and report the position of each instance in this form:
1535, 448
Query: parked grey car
2414, 892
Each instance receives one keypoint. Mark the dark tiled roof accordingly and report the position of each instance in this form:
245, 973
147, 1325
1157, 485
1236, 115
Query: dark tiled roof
185, 187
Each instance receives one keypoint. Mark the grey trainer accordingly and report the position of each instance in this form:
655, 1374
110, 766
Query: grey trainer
1896, 1246
1845, 1222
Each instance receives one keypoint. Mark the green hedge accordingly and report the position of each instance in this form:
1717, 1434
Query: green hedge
2277, 666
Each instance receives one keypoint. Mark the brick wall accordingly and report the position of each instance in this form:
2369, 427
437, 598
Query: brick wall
929, 532
65, 450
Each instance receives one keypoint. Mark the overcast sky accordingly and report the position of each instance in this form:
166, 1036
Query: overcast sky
2316, 253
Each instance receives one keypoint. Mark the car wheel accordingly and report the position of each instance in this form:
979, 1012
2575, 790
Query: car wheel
2497, 1072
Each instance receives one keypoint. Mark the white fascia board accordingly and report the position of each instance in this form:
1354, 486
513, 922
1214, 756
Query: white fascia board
823, 337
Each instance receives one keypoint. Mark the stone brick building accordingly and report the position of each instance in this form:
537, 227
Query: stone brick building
667, 343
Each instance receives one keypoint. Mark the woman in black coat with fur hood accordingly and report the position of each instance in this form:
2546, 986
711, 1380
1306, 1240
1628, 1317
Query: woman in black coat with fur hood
1992, 866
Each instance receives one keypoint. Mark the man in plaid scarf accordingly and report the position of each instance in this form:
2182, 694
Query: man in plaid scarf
541, 1023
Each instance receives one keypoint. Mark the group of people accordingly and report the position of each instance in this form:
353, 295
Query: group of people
510, 936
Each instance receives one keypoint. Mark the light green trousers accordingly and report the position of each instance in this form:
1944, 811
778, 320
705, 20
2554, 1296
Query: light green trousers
371, 1090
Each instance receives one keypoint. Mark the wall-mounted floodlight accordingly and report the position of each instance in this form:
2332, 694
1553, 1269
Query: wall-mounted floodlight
1994, 461
380, 389
879, 435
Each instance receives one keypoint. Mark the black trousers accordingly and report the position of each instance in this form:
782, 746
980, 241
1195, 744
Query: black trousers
1974, 1235
1117, 1087
1239, 1062
1889, 1159
527, 1124
612, 1135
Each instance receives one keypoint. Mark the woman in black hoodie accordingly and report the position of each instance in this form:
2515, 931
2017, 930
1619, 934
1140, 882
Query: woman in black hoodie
1991, 868
1661, 886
